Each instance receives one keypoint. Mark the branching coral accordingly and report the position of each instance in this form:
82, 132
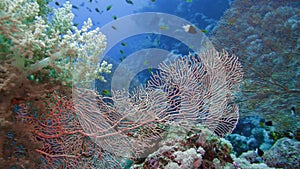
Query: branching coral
32, 44
63, 144
194, 89
91, 130
265, 35
36, 43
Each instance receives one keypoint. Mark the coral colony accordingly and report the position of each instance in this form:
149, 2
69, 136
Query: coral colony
36, 43
51, 118
194, 89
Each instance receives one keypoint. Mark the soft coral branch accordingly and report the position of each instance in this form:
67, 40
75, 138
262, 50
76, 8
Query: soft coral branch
36, 43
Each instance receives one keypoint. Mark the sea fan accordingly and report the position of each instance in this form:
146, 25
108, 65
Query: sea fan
191, 90
95, 131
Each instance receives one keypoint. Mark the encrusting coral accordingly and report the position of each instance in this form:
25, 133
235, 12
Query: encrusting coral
182, 150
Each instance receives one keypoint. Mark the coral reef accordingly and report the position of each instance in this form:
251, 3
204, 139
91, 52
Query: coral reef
183, 150
39, 54
241, 163
265, 36
157, 125
129, 124
91, 130
16, 147
250, 134
285, 153
63, 144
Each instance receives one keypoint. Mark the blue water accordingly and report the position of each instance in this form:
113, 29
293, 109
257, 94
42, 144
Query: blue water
199, 12
203, 14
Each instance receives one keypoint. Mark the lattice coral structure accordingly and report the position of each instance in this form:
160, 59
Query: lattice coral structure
94, 131
64, 144
192, 90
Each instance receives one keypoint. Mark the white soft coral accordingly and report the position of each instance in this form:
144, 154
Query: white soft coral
57, 43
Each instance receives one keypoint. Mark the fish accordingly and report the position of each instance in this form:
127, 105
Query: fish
153, 0
75, 7
114, 28
122, 58
115, 17
108, 7
123, 44
57, 3
203, 30
190, 29
293, 110
188, 0
163, 27
259, 152
106, 92
89, 9
146, 62
150, 70
216, 150
129, 2
121, 51
97, 10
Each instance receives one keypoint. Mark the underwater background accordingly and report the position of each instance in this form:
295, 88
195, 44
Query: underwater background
40, 50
